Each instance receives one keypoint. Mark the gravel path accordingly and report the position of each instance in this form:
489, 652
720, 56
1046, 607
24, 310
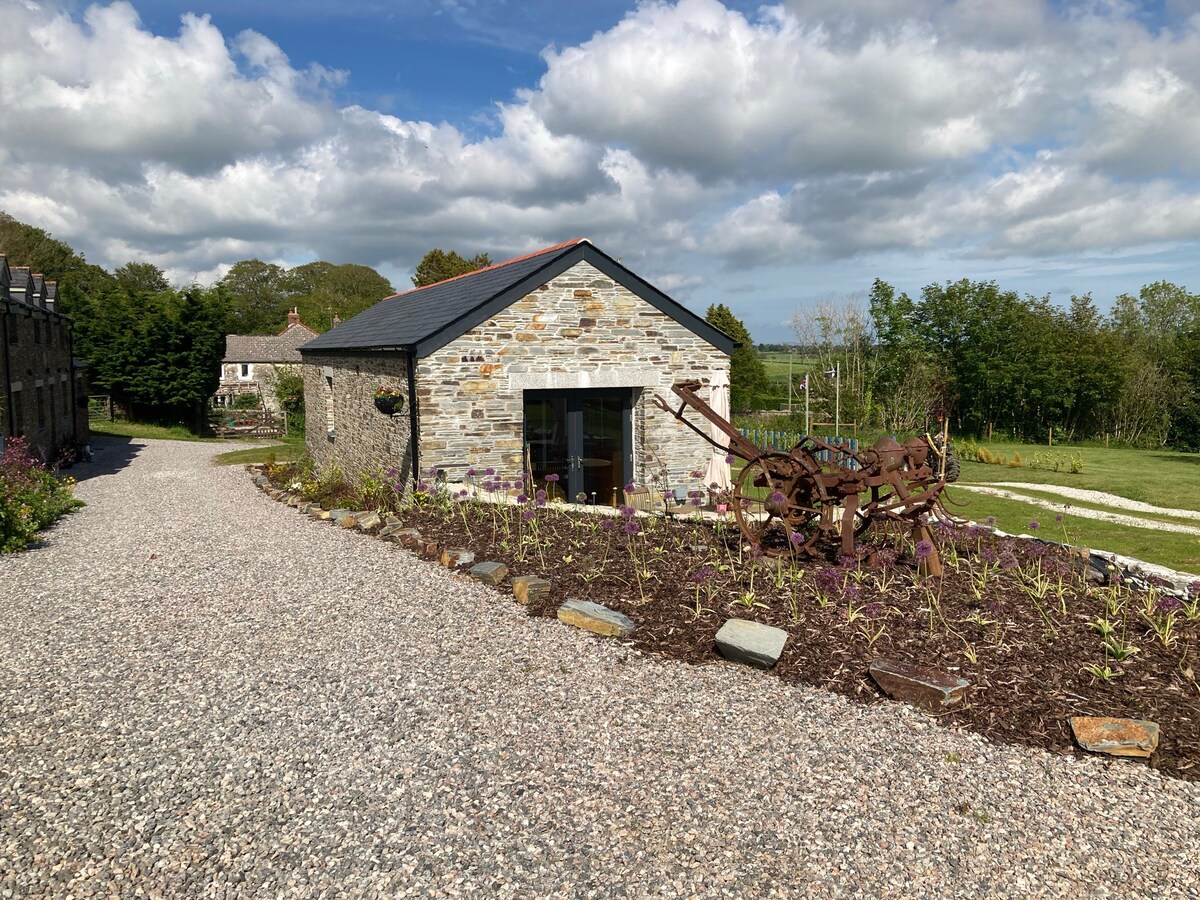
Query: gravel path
205, 694
1082, 512
1100, 497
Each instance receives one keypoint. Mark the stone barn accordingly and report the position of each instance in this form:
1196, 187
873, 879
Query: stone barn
548, 361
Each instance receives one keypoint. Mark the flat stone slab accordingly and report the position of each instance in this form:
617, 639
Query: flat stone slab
453, 558
391, 520
367, 521
261, 480
389, 529
317, 513
337, 514
927, 688
408, 537
1116, 737
489, 572
527, 588
349, 520
276, 494
595, 618
294, 500
752, 643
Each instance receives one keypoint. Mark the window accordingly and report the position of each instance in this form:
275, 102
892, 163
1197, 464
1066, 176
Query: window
329, 420
245, 371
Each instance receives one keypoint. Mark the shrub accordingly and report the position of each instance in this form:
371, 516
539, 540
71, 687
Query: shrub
31, 497
246, 401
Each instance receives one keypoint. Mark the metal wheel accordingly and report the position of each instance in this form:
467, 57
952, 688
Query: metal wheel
778, 505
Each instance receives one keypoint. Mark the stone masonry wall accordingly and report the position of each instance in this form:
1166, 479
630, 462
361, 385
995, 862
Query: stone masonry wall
263, 376
581, 330
39, 391
364, 440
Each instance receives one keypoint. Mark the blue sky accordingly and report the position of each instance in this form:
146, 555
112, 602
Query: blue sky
768, 157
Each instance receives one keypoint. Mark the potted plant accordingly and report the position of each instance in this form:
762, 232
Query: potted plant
388, 401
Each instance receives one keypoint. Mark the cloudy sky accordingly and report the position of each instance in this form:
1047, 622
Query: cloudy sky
763, 156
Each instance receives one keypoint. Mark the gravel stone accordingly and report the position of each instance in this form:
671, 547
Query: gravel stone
204, 694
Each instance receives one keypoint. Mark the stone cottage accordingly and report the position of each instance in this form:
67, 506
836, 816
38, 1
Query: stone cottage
550, 361
251, 361
43, 391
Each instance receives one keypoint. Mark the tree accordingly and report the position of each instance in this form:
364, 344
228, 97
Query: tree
748, 383
136, 278
438, 265
256, 296
321, 290
25, 245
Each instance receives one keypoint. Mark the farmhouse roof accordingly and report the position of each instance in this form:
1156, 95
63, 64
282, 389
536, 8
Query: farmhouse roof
427, 318
268, 348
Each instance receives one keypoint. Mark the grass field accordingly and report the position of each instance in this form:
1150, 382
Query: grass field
287, 449
1159, 477
138, 430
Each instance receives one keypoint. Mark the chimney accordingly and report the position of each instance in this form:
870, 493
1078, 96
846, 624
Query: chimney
294, 316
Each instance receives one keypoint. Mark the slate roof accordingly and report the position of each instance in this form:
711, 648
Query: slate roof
425, 319
268, 348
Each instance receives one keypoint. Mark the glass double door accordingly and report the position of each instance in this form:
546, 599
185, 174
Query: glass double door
585, 437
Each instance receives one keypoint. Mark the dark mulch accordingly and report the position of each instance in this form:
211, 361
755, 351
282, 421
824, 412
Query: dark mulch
1028, 676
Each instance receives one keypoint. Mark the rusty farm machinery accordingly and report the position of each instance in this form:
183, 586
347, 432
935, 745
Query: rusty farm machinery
819, 492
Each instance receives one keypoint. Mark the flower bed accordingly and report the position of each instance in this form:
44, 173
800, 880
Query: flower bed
1016, 618
1020, 619
31, 497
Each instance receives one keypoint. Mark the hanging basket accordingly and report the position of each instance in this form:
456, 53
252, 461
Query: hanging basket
389, 404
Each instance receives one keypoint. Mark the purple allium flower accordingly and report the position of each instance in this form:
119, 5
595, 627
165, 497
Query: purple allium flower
1168, 604
433, 470
632, 527
1008, 560
422, 487
990, 521
873, 610
630, 488
696, 501
522, 498
846, 561
829, 581
697, 474
552, 477
702, 574
490, 470
628, 512
581, 497
1034, 526
729, 458
1194, 588
695, 493
989, 556
796, 538
777, 498
471, 473
608, 524
1058, 518
463, 493
924, 549
391, 472
529, 515
851, 592
540, 495
885, 558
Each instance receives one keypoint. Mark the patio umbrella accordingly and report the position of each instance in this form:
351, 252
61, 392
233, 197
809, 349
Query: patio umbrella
718, 399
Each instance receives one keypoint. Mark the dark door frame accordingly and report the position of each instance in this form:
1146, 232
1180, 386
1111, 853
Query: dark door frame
575, 398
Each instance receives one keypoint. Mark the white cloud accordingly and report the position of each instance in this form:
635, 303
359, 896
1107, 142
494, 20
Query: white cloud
813, 130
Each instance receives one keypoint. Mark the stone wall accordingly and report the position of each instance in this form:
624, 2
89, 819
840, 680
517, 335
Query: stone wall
262, 379
580, 330
339, 394
40, 390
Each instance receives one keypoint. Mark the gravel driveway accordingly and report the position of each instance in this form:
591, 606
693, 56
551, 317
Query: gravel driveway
205, 694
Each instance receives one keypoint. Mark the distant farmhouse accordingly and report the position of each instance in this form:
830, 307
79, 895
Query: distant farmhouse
252, 360
550, 360
42, 387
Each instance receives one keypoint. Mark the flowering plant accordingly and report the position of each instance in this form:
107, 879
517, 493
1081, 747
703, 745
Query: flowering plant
390, 393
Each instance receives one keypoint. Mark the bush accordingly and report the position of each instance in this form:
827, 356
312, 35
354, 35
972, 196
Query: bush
246, 401
31, 497
289, 392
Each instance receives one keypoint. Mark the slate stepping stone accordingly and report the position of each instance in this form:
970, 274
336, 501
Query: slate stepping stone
408, 537
391, 520
368, 520
349, 520
752, 643
294, 500
928, 688
389, 529
261, 480
1116, 737
456, 559
595, 618
489, 572
318, 513
528, 588
336, 515
276, 494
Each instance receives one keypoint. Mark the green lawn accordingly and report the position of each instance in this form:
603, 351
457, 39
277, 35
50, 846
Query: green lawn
288, 448
138, 430
1161, 477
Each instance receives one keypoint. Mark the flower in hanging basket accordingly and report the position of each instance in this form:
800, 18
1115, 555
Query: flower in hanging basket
388, 400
